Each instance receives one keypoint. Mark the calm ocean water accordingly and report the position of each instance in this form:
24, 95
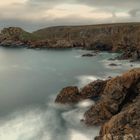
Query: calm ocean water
31, 79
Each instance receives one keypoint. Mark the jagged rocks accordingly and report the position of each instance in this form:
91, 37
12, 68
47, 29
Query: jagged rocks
118, 108
124, 125
117, 92
113, 65
93, 90
73, 94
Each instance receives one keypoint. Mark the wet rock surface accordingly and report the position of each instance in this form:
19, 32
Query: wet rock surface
113, 65
117, 109
87, 55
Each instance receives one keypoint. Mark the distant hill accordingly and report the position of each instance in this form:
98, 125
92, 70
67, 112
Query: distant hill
85, 31
119, 37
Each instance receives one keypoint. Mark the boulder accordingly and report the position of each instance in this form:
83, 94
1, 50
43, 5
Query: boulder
68, 95
93, 90
87, 55
113, 65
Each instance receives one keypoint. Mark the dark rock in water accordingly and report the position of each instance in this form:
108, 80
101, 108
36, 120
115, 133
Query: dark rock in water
68, 95
113, 64
88, 55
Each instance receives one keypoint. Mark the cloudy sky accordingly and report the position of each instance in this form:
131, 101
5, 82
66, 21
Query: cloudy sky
35, 14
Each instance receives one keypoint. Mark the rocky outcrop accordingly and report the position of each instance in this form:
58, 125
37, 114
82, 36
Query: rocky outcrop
117, 108
70, 95
124, 125
93, 90
122, 38
117, 92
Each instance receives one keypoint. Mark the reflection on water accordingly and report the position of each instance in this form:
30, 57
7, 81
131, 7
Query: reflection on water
29, 82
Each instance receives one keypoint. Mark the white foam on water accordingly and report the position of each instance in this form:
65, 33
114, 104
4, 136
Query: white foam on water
107, 63
85, 79
121, 64
21, 127
78, 136
85, 103
78, 56
54, 122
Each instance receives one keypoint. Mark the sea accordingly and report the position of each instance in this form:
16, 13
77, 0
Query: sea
30, 80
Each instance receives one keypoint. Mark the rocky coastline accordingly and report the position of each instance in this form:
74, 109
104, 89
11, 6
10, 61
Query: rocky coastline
117, 100
116, 108
123, 38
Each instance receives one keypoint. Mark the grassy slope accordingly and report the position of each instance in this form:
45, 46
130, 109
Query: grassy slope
76, 31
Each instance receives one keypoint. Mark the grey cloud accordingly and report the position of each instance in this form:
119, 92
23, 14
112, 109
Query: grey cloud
100, 3
112, 3
39, 6
134, 12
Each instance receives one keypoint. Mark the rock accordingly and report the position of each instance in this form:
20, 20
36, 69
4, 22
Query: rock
113, 64
68, 95
93, 90
118, 107
102, 46
87, 55
11, 43
125, 124
117, 92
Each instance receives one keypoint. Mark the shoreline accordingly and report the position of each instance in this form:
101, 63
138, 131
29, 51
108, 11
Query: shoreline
108, 99
123, 38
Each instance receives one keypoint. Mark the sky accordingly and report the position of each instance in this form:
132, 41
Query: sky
35, 14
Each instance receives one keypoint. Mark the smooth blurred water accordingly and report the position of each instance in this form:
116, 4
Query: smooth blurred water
31, 79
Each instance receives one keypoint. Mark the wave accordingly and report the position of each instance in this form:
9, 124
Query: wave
85, 79
57, 122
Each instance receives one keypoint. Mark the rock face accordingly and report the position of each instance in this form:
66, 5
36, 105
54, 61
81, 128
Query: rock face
107, 37
93, 90
117, 92
124, 125
117, 109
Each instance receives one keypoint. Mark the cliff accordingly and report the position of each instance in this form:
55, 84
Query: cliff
123, 38
116, 108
